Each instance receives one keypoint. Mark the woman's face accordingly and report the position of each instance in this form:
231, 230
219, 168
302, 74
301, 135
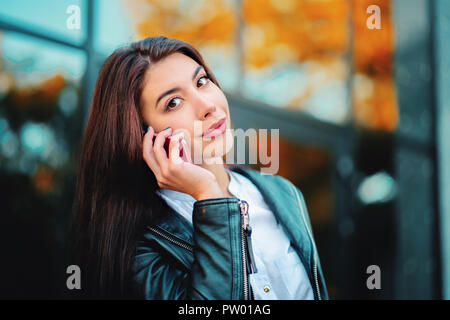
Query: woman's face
178, 93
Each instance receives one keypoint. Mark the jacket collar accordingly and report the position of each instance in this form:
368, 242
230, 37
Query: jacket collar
174, 223
279, 197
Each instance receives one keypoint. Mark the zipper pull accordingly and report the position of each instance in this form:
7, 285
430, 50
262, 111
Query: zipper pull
251, 258
251, 265
244, 212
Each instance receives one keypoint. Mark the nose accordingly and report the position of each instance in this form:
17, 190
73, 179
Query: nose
204, 106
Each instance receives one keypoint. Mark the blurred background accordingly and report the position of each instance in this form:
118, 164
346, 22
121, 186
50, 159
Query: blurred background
361, 98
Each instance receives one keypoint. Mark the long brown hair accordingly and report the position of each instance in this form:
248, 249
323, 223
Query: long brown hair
115, 196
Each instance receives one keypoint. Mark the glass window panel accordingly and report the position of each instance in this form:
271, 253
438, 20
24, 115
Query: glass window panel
310, 169
32, 58
289, 54
58, 13
318, 88
295, 56
208, 25
442, 11
113, 26
374, 96
40, 129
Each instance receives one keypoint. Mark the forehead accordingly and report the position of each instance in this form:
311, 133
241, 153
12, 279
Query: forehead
170, 72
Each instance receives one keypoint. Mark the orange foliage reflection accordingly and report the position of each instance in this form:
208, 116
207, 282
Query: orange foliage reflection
196, 22
374, 97
325, 32
305, 29
45, 92
44, 180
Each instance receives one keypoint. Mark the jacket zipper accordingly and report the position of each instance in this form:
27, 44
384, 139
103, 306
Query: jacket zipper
316, 280
179, 242
248, 260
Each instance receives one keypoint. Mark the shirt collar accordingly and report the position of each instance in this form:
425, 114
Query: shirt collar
233, 187
176, 195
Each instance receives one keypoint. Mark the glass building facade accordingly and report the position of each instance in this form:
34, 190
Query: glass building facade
357, 89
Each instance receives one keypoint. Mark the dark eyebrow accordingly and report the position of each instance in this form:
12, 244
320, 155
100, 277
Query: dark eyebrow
177, 88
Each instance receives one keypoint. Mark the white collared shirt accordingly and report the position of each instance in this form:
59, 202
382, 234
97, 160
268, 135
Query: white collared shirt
281, 274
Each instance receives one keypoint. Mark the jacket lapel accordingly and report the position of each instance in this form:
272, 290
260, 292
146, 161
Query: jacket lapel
281, 199
175, 224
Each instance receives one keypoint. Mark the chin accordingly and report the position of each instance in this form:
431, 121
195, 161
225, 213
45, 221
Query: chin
214, 150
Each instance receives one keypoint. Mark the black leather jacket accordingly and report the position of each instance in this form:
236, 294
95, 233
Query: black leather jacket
210, 259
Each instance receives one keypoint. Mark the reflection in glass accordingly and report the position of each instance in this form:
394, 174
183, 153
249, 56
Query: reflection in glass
310, 169
40, 129
211, 26
47, 16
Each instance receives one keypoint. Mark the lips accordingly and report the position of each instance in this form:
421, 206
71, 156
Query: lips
217, 128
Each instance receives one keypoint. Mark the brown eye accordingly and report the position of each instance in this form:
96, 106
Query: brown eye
205, 80
172, 103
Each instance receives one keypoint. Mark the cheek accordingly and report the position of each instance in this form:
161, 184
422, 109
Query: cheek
176, 122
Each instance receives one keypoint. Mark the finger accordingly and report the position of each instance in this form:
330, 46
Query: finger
174, 148
158, 148
147, 151
186, 151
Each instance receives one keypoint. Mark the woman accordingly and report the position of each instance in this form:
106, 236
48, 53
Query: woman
157, 213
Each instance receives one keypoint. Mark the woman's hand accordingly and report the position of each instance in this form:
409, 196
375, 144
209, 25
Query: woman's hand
172, 172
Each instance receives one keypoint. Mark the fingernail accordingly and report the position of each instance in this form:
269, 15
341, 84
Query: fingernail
181, 132
166, 128
148, 128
